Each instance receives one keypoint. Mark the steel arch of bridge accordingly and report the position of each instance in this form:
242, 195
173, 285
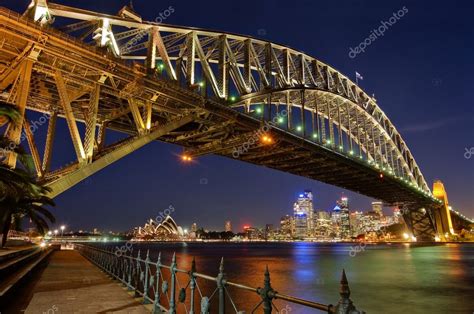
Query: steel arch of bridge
252, 67
206, 91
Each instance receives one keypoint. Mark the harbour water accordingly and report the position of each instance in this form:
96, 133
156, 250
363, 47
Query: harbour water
396, 278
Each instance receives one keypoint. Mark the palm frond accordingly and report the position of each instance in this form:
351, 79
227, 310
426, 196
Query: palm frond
9, 111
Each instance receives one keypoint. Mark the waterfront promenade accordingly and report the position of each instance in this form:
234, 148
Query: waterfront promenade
71, 284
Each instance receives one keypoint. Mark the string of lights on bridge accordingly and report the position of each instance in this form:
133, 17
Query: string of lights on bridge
383, 171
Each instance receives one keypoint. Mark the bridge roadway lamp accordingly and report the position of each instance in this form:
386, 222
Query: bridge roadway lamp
186, 158
62, 230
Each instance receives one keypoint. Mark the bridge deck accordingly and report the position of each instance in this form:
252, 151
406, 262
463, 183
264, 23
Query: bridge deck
71, 284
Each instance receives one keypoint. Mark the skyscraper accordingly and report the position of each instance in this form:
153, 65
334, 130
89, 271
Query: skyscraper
344, 220
303, 215
228, 226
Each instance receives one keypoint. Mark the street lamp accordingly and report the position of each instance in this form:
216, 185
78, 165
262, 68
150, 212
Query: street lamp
62, 230
56, 233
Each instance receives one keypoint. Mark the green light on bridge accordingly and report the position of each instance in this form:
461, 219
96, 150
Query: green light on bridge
299, 128
258, 110
201, 84
281, 120
233, 98
315, 135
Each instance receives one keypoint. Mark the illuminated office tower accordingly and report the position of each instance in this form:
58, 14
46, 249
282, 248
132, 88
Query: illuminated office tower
286, 226
303, 213
344, 220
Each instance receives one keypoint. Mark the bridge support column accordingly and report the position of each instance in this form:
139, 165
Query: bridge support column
442, 213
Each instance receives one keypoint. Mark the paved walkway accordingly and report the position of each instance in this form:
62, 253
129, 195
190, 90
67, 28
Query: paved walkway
71, 284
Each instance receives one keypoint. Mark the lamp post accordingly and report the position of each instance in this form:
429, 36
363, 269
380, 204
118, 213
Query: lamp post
62, 230
56, 234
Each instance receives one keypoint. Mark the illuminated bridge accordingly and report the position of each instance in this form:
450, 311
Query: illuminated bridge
209, 92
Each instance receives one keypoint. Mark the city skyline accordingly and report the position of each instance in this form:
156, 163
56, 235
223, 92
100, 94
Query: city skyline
160, 215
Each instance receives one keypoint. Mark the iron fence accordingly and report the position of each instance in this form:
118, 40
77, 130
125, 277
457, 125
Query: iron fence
146, 279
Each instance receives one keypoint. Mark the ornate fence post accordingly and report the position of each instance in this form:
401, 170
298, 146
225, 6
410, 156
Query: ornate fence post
156, 304
192, 284
130, 272
145, 285
221, 286
137, 275
266, 293
124, 269
345, 305
172, 309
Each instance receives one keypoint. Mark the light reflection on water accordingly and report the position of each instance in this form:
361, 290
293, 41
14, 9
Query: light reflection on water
393, 278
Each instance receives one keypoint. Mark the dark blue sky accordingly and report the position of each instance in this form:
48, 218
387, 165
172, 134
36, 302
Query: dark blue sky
420, 71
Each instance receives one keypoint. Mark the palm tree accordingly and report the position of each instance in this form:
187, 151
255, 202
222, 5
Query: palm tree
20, 193
28, 205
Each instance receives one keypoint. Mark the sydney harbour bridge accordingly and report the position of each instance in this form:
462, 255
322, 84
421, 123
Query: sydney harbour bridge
209, 92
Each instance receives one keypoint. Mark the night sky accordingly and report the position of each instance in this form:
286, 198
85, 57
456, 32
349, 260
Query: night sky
420, 72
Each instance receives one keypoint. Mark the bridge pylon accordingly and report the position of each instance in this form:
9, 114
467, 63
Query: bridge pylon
442, 215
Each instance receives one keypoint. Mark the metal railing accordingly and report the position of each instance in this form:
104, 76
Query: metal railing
148, 281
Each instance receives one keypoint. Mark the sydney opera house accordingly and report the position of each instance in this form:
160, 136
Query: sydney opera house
167, 229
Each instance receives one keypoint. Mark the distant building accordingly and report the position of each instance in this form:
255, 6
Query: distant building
341, 217
303, 215
194, 227
322, 214
286, 226
228, 226
268, 231
377, 208
397, 215
164, 230
356, 222
370, 222
252, 233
